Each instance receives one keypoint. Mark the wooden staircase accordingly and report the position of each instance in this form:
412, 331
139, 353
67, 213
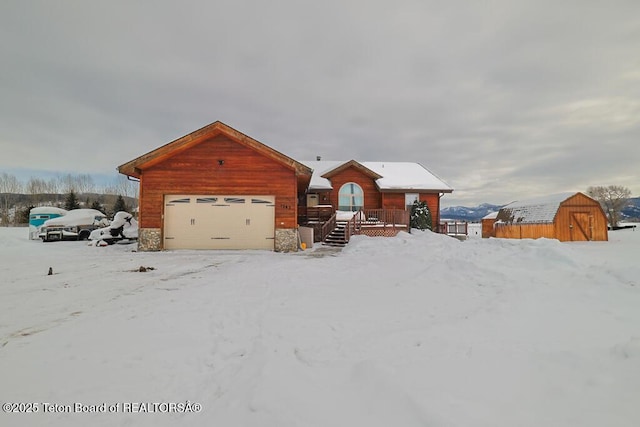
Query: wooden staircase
337, 236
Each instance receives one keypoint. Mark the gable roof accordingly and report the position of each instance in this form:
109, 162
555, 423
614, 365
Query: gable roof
353, 164
389, 176
533, 211
491, 215
136, 166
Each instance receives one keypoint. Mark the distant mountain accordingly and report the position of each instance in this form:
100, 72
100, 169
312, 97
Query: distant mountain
473, 214
632, 211
463, 213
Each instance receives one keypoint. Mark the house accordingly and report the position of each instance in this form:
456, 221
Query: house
217, 188
565, 216
372, 187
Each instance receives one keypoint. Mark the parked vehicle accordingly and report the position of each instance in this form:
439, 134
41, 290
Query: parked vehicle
77, 224
123, 227
38, 216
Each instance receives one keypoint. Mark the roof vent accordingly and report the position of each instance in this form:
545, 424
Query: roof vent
318, 158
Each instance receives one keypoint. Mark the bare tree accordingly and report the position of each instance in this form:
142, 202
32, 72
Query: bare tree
85, 184
9, 187
612, 199
53, 186
36, 187
124, 187
68, 183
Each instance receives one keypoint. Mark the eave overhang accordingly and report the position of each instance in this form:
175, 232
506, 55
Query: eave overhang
136, 167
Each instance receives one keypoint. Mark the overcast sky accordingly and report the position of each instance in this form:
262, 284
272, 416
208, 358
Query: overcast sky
504, 100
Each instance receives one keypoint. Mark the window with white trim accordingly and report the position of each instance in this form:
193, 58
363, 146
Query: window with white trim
409, 198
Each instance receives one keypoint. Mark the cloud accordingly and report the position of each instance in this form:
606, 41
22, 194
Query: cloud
500, 98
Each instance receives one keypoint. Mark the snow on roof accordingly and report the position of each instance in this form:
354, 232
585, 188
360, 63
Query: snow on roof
491, 215
395, 175
533, 211
320, 167
76, 217
48, 210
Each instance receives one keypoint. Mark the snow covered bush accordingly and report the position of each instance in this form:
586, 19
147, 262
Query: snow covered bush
421, 216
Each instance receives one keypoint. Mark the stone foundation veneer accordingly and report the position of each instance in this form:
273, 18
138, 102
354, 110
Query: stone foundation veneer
286, 240
149, 239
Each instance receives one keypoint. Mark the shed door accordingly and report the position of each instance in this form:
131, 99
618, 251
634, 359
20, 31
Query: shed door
219, 222
582, 226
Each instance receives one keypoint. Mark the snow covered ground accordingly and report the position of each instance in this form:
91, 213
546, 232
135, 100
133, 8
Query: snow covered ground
418, 330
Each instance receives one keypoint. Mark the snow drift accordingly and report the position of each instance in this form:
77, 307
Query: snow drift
417, 330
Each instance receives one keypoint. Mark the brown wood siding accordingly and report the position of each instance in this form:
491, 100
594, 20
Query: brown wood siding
433, 202
580, 223
580, 199
393, 201
487, 227
580, 218
525, 231
197, 171
372, 198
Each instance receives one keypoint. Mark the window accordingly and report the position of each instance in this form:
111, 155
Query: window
233, 200
211, 200
350, 197
172, 202
409, 198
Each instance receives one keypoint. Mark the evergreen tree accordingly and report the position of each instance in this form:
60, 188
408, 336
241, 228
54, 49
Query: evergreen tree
421, 216
71, 202
120, 205
97, 206
23, 215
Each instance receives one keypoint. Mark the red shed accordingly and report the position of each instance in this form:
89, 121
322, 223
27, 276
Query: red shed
566, 217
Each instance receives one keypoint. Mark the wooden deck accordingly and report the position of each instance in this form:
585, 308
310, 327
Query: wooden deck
378, 222
340, 226
371, 222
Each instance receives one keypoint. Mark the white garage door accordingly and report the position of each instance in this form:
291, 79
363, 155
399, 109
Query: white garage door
219, 222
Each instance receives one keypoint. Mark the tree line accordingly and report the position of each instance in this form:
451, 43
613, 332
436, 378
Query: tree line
66, 191
65, 183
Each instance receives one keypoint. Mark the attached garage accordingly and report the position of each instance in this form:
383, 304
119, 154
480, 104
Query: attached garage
219, 222
217, 188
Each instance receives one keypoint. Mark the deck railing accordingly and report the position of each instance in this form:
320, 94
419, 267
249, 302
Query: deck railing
453, 228
375, 222
352, 226
320, 213
390, 218
381, 220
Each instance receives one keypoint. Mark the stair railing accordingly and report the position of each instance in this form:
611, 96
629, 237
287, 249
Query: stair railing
353, 225
328, 227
